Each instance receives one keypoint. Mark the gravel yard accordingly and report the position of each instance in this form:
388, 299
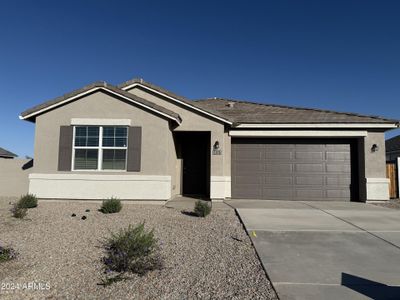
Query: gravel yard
392, 203
209, 258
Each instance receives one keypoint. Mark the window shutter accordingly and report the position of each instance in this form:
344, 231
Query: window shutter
134, 149
65, 148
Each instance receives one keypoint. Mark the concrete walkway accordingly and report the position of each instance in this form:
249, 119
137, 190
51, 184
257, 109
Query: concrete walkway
326, 250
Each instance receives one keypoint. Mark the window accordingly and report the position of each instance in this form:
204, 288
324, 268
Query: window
100, 147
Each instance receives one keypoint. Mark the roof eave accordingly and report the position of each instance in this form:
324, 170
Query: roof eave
30, 115
151, 88
386, 125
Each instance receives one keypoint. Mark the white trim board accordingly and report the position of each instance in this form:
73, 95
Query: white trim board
93, 186
318, 125
377, 188
296, 133
90, 91
101, 122
100, 177
220, 187
176, 100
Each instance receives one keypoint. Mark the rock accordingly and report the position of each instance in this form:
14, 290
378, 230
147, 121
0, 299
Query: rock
88, 210
73, 215
83, 218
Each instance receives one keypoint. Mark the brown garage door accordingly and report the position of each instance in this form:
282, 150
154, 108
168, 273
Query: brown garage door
291, 169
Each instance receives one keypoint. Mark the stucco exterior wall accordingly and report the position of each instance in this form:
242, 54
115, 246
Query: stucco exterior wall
102, 106
156, 148
195, 121
377, 185
14, 180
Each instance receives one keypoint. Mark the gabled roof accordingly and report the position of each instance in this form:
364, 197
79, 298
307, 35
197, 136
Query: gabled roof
247, 112
238, 113
180, 99
31, 113
393, 144
6, 153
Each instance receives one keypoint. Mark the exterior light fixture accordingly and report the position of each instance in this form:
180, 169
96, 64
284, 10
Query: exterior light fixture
374, 148
216, 149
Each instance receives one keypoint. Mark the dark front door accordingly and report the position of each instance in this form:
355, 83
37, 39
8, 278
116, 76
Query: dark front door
195, 154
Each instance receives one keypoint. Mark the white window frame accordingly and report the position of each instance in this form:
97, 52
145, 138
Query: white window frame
100, 149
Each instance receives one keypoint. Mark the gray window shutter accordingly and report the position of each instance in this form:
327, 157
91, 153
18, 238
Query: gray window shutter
65, 148
134, 149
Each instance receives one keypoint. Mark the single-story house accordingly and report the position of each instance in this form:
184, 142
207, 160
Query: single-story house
141, 141
7, 154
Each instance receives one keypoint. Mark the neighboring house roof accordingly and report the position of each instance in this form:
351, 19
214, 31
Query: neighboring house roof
6, 153
251, 112
393, 144
31, 113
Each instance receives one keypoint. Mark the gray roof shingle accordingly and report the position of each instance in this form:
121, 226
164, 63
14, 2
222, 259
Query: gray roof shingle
393, 144
6, 153
239, 111
170, 94
109, 87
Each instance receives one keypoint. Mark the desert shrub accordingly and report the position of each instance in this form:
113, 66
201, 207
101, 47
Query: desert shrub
18, 211
7, 253
132, 249
27, 201
202, 208
110, 206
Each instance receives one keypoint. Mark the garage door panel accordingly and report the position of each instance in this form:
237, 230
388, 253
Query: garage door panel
242, 167
291, 169
310, 168
309, 155
278, 181
310, 193
338, 194
249, 154
310, 147
279, 168
269, 155
338, 147
341, 156
310, 180
247, 192
257, 179
277, 193
338, 168
338, 181
278, 147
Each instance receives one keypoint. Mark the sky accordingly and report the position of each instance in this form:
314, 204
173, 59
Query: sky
339, 55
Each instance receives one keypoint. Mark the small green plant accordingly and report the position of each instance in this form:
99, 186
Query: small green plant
18, 211
202, 209
27, 201
110, 206
132, 249
7, 253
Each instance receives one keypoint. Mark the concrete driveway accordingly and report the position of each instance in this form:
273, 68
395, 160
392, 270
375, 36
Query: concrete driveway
326, 250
